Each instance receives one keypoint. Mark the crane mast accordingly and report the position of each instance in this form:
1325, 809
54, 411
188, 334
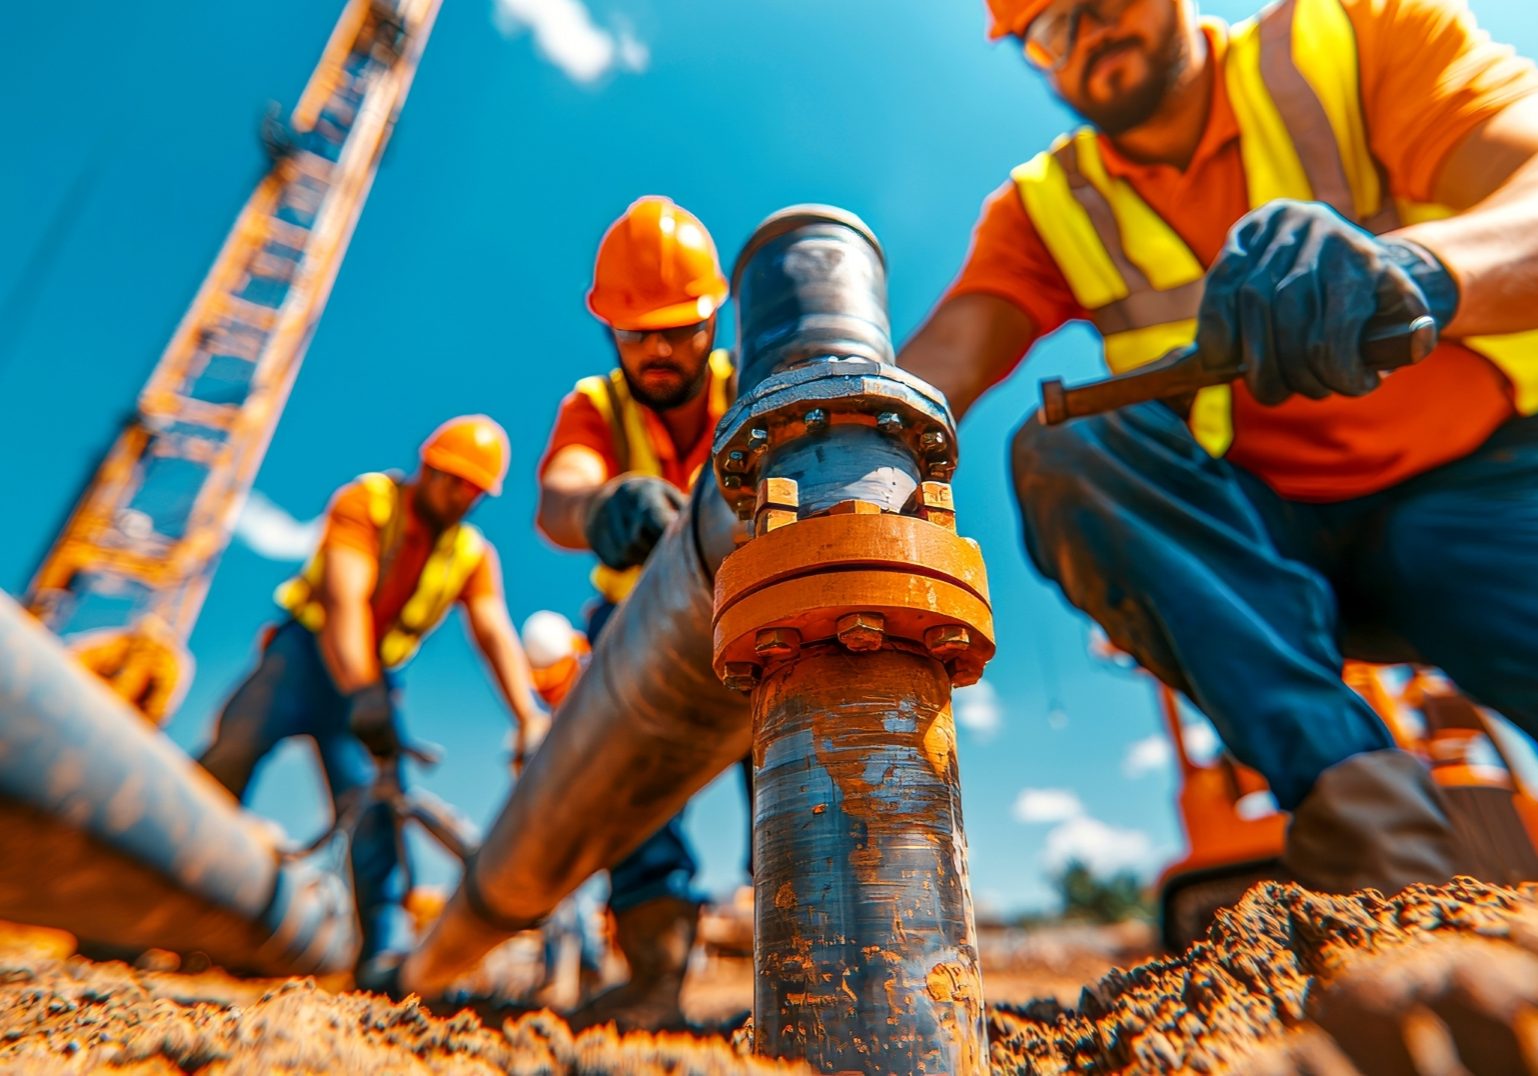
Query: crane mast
125, 580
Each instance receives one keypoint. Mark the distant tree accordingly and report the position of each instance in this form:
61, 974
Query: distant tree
1086, 895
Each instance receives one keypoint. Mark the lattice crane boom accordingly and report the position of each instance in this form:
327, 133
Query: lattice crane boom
125, 580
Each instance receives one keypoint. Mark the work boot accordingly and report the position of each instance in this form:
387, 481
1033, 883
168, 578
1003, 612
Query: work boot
1374, 821
656, 938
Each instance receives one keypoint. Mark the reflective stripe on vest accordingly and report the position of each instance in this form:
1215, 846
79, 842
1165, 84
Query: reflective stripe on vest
1291, 75
455, 556
633, 448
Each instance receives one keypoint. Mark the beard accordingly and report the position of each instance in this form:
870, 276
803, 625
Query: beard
1132, 106
666, 401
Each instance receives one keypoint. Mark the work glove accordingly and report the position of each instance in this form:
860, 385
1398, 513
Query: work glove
1295, 286
628, 516
371, 717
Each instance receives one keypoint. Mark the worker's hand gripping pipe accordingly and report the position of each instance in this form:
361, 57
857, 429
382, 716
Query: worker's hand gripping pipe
866, 955
111, 833
847, 614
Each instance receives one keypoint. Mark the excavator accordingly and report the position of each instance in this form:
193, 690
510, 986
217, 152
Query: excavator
1234, 832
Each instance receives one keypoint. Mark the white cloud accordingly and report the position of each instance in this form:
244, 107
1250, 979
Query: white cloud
269, 531
1047, 805
567, 36
1155, 752
978, 710
1147, 755
1104, 849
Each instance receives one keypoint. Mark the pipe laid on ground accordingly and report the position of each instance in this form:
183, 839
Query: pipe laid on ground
109, 832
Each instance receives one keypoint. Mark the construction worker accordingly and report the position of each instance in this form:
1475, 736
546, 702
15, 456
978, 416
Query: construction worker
1264, 190
625, 449
395, 557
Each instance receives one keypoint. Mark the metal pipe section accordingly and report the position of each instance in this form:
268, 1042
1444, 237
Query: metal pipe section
646, 726
111, 833
864, 943
848, 613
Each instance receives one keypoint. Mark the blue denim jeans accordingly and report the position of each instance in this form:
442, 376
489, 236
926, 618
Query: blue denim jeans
1246, 602
291, 693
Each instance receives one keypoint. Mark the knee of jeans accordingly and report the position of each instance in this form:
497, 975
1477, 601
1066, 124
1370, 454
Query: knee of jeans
1066, 460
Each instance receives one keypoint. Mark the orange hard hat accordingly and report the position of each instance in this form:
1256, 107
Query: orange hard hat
1012, 16
473, 447
656, 269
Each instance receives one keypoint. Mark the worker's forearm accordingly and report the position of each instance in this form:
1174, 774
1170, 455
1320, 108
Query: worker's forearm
562, 515
511, 672
1492, 252
347, 647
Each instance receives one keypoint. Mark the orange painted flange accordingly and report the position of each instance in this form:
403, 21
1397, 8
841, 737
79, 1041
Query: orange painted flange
808, 574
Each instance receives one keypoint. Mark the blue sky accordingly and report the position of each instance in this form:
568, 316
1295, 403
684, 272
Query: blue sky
532, 124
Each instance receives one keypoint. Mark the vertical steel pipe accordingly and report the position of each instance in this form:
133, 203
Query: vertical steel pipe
848, 614
111, 833
865, 953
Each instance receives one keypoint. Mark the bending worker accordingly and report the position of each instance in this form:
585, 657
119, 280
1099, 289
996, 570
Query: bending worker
394, 558
1264, 189
625, 449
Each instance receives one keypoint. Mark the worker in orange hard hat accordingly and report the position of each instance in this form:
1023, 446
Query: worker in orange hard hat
1277, 192
626, 448
396, 555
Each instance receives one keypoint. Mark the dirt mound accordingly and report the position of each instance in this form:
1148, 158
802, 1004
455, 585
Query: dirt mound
1292, 981
1287, 982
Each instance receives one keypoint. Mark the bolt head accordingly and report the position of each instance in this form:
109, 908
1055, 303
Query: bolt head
932, 438
947, 640
777, 642
890, 423
862, 632
736, 460
731, 481
816, 420
758, 440
740, 676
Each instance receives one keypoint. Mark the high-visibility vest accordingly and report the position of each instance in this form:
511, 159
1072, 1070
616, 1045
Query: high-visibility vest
1291, 75
454, 557
633, 446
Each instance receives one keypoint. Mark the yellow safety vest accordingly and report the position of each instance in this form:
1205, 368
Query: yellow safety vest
633, 447
1291, 75
455, 556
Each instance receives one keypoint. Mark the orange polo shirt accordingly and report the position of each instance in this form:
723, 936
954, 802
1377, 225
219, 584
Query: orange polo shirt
578, 422
349, 525
1429, 77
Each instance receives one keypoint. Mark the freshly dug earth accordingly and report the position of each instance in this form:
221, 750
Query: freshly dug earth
1286, 982
1294, 982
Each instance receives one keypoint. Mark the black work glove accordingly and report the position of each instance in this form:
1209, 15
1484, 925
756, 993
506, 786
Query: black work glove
371, 717
1294, 287
628, 516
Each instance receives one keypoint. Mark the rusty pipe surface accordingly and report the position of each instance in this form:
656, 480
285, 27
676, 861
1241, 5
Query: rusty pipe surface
646, 726
111, 833
866, 955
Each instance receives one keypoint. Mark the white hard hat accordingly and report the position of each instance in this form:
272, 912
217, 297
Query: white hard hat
548, 637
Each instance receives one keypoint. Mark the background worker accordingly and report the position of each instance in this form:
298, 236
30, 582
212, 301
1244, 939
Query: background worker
625, 449
1264, 189
394, 558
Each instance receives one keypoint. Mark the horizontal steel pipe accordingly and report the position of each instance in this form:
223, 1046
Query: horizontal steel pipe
111, 833
646, 726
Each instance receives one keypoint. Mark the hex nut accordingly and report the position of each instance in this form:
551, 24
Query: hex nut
862, 632
947, 640
740, 676
889, 423
773, 643
816, 420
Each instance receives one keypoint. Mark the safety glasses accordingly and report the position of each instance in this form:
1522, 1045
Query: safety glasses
1049, 38
676, 336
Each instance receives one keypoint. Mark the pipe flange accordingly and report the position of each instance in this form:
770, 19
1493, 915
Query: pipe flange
810, 399
863, 581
